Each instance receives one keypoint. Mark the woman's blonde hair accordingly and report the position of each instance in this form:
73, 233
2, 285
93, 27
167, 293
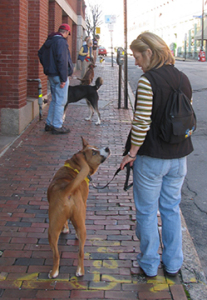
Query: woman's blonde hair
89, 41
161, 53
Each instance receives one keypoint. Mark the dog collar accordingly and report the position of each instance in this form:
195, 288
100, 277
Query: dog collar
87, 180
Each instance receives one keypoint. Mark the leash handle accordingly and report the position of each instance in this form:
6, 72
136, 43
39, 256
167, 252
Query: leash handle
126, 186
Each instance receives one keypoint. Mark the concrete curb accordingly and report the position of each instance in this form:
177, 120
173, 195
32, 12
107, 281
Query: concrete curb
192, 272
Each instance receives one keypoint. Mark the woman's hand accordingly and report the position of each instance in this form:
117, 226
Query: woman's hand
130, 157
127, 159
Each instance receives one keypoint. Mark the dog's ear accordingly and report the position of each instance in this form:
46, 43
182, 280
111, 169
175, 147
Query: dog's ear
84, 142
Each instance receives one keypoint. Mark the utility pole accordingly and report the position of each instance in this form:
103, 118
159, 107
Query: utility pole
125, 57
202, 29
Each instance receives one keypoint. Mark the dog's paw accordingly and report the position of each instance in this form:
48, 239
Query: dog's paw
87, 119
54, 275
98, 123
65, 230
79, 273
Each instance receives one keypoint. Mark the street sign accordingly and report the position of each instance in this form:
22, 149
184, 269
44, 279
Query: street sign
110, 19
111, 27
113, 18
98, 30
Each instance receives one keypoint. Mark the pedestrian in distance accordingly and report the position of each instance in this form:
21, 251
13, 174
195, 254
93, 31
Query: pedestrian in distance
85, 56
95, 47
55, 57
86, 39
159, 168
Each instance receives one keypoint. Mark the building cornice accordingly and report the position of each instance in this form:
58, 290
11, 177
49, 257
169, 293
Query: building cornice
77, 19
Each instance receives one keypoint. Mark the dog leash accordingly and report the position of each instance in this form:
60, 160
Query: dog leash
126, 185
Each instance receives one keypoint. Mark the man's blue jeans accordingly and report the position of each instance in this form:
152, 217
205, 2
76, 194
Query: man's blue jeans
157, 185
59, 99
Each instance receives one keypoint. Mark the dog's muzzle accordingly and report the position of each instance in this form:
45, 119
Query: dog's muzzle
104, 152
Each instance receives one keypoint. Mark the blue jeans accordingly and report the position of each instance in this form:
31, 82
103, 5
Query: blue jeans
59, 99
157, 185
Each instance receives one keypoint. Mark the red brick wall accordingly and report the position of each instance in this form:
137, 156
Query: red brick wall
13, 53
42, 36
38, 31
25, 25
78, 6
73, 4
55, 16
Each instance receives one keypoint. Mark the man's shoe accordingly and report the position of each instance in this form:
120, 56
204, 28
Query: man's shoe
61, 130
48, 127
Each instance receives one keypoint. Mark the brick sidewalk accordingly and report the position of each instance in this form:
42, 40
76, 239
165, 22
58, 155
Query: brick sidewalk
111, 270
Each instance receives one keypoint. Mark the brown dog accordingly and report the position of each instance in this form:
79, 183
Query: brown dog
67, 195
89, 75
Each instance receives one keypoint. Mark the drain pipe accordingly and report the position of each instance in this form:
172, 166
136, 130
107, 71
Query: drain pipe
40, 101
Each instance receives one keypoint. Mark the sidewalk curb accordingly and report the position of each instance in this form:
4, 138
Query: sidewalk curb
192, 272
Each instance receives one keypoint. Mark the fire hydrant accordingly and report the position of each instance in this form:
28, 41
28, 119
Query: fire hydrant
202, 56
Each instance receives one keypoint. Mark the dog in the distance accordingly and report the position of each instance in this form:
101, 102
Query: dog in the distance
88, 76
90, 93
67, 195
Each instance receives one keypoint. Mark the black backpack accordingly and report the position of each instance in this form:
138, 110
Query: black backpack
179, 120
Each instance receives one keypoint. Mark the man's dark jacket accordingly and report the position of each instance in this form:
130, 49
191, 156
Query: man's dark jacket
54, 55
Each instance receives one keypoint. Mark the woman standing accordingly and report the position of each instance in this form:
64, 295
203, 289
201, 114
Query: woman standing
159, 168
85, 55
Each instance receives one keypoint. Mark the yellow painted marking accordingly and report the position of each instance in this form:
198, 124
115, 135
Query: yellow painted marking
87, 255
112, 279
160, 283
193, 279
160, 287
96, 238
74, 282
40, 95
33, 276
97, 264
108, 287
112, 264
102, 250
3, 276
96, 277
105, 243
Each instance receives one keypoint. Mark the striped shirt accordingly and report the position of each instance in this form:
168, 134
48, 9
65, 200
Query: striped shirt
142, 114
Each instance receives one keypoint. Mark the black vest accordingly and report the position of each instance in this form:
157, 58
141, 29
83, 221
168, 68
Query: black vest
153, 145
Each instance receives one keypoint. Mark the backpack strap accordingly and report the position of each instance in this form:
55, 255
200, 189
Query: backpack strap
181, 79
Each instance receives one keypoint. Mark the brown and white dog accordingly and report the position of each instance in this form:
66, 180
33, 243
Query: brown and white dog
67, 195
88, 76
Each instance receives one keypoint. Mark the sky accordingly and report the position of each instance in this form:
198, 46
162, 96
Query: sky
180, 11
113, 36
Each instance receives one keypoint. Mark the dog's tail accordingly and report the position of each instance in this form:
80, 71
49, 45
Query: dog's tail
98, 83
84, 81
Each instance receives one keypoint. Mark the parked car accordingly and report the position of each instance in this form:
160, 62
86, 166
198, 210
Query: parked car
102, 51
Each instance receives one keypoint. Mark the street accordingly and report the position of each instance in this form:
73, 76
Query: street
194, 199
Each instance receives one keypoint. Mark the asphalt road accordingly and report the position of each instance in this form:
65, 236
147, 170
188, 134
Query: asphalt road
194, 192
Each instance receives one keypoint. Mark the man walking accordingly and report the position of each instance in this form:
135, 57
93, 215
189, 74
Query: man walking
55, 57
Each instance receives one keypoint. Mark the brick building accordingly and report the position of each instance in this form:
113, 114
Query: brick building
25, 25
